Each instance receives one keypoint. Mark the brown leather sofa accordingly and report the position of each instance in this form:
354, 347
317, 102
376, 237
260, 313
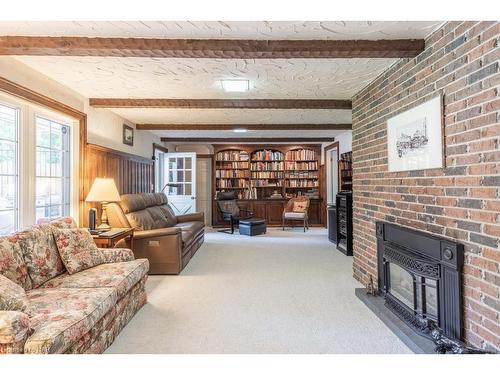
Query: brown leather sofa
166, 240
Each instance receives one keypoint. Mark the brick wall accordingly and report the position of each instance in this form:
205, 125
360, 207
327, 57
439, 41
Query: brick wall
461, 201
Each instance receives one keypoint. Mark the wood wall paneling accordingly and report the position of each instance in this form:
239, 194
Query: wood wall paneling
132, 174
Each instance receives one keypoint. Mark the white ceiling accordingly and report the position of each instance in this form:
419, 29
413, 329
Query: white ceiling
138, 77
227, 30
200, 78
235, 116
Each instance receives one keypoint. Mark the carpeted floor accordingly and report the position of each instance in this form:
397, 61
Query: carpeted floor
284, 292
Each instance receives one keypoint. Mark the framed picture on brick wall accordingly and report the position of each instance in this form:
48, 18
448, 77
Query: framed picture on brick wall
415, 138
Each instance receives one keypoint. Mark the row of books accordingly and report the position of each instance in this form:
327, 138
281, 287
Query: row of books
267, 155
302, 183
300, 155
232, 164
301, 175
260, 183
267, 166
221, 184
231, 155
267, 174
309, 165
231, 173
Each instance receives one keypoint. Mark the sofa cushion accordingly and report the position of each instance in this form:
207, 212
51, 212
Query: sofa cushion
132, 202
149, 199
77, 249
141, 220
12, 296
60, 317
14, 327
169, 214
119, 276
159, 218
191, 226
40, 253
161, 199
12, 264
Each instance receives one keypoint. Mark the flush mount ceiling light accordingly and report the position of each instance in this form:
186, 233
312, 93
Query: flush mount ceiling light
235, 85
240, 130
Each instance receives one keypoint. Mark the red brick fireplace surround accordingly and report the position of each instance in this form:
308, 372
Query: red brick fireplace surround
460, 201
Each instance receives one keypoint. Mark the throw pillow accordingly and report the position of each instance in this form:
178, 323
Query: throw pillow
12, 264
299, 206
77, 249
12, 296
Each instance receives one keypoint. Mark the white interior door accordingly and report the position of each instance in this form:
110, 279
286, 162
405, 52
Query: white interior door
180, 179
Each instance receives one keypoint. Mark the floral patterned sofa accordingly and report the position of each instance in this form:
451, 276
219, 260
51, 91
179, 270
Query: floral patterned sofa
80, 312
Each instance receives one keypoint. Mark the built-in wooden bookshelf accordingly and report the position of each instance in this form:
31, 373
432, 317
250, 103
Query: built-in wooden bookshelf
345, 171
231, 170
272, 174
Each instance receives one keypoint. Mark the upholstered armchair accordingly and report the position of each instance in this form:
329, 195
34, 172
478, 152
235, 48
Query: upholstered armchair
295, 210
226, 203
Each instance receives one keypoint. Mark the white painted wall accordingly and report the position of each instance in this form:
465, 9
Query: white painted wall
103, 126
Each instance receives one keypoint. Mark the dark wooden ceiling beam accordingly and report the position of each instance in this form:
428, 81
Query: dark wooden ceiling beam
210, 140
209, 48
221, 103
243, 126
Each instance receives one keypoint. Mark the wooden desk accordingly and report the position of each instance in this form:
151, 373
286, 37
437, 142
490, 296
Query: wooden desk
111, 241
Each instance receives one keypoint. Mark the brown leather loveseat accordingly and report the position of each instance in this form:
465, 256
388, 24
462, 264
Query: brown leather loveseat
166, 240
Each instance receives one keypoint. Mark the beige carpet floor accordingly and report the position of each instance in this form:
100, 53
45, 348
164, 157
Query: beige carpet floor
283, 292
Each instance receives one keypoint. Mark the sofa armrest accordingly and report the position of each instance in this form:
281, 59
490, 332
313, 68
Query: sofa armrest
196, 216
117, 255
145, 234
14, 331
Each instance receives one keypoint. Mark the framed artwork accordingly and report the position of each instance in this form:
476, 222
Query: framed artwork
415, 138
128, 135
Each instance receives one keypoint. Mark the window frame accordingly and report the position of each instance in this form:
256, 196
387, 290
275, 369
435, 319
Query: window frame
26, 187
17, 172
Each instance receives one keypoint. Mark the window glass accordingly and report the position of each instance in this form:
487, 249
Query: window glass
53, 169
9, 126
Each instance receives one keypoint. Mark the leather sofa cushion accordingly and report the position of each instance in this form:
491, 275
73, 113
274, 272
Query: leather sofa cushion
161, 199
191, 226
169, 214
132, 202
159, 217
149, 199
141, 220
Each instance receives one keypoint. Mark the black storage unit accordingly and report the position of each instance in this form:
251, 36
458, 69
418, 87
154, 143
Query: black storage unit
344, 222
332, 224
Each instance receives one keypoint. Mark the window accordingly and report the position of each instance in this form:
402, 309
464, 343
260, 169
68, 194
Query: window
53, 169
9, 129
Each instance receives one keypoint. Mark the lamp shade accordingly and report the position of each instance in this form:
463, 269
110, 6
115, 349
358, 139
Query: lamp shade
103, 190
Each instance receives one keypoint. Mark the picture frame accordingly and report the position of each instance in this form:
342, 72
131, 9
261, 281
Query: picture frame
415, 138
128, 135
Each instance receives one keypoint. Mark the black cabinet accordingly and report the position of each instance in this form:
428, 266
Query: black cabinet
332, 224
344, 222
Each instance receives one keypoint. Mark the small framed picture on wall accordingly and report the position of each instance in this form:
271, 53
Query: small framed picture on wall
128, 135
415, 139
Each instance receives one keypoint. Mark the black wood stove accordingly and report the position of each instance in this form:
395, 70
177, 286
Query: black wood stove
419, 276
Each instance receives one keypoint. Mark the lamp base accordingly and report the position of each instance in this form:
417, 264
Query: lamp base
103, 228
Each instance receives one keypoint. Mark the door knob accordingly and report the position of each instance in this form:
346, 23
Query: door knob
193, 197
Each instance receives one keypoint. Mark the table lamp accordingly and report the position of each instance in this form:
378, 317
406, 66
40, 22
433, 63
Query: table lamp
104, 191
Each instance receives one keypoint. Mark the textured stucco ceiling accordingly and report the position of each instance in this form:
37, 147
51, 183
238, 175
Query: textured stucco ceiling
371, 30
200, 78
118, 77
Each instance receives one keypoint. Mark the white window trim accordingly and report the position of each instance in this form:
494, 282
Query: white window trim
27, 157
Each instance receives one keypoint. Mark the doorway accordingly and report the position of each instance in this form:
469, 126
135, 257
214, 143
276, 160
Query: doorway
179, 177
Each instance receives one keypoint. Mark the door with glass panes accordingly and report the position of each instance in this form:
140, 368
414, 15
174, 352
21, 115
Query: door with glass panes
180, 179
